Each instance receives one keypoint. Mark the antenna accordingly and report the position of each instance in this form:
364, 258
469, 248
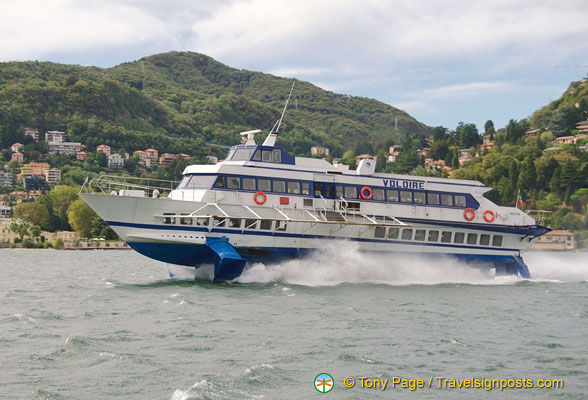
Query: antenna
285, 106
270, 140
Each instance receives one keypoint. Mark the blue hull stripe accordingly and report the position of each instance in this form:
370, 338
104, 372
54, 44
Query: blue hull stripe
293, 235
194, 255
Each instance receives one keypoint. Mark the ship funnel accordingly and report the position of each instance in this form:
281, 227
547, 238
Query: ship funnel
270, 140
250, 135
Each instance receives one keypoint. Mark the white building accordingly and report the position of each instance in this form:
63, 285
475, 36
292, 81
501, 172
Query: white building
116, 161
318, 150
52, 175
64, 147
34, 133
54, 136
6, 178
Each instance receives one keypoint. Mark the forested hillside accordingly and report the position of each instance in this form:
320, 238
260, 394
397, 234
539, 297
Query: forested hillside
178, 101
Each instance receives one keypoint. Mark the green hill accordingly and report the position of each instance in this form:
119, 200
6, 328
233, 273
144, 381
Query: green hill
177, 101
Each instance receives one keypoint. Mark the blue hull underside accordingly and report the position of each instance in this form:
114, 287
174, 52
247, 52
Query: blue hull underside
229, 262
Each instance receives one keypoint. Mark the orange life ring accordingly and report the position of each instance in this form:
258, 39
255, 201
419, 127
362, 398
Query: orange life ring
256, 197
369, 194
489, 218
469, 214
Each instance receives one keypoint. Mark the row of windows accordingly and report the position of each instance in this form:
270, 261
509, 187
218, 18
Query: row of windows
422, 235
381, 232
328, 190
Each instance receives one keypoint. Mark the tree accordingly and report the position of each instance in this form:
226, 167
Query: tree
21, 227
61, 198
489, 127
36, 213
36, 231
80, 217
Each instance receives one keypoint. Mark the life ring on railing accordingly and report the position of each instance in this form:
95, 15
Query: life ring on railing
256, 197
469, 214
489, 216
365, 196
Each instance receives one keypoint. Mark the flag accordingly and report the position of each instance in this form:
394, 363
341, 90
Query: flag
519, 199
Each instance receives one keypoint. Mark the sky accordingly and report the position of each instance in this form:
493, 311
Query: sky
442, 61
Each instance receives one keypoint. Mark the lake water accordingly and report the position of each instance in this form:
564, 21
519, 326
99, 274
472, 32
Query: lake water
111, 325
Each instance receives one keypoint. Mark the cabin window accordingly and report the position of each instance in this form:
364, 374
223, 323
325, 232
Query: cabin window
280, 186
350, 192
294, 187
234, 223
405, 197
266, 156
339, 191
419, 197
447, 200
277, 156
433, 236
248, 184
264, 185
257, 156
460, 201
407, 234
281, 225
308, 202
242, 155
497, 240
392, 195
233, 182
220, 182
446, 237
218, 222
393, 233
329, 190
305, 188
379, 194
472, 238
419, 234
433, 199
169, 220
265, 224
184, 182
185, 220
380, 232
250, 223
201, 221
318, 189
459, 237
484, 240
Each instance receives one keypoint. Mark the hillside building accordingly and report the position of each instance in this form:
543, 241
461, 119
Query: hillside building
103, 148
16, 147
64, 147
18, 157
166, 159
81, 156
318, 150
54, 136
6, 179
34, 168
116, 161
34, 133
582, 126
52, 175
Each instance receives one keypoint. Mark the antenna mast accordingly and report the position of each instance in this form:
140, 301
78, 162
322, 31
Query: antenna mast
284, 111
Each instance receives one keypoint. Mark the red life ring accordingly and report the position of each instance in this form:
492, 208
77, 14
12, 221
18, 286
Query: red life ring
489, 218
256, 197
367, 196
469, 214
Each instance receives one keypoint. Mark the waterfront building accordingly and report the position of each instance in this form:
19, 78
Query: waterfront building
555, 240
5, 211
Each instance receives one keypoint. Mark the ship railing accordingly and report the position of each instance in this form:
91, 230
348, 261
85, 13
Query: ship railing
542, 217
220, 217
128, 186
